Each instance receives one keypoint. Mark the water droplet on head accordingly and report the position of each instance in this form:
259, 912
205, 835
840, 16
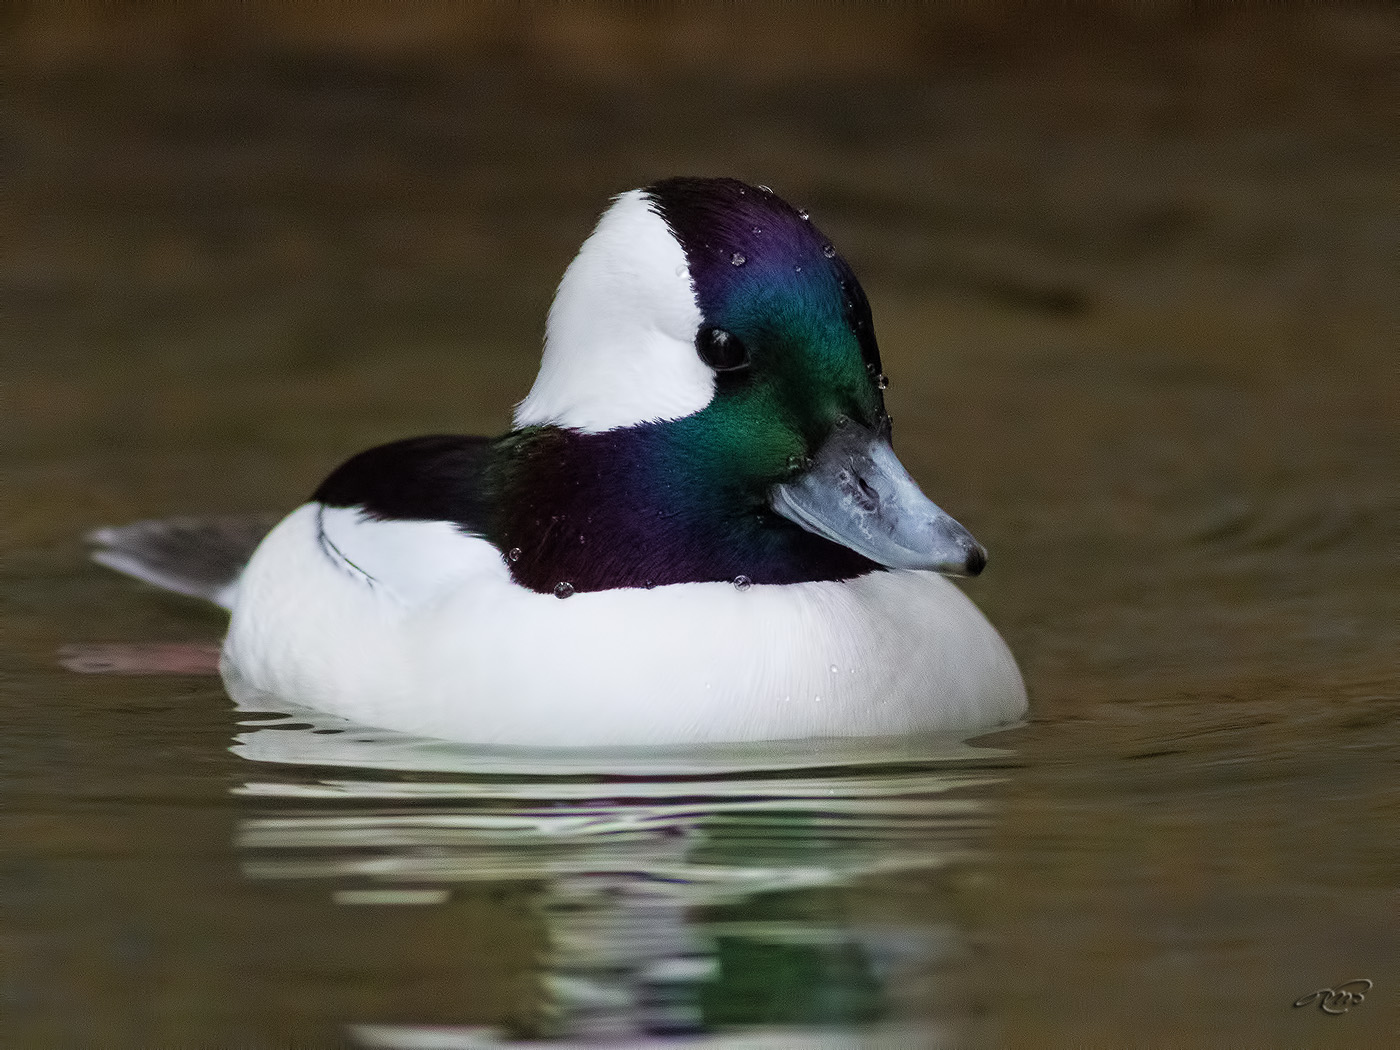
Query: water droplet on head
799, 462
581, 539
766, 189
829, 251
680, 270
742, 583
842, 420
797, 269
563, 589
835, 669
802, 214
882, 381
514, 554
816, 699
649, 584
758, 229
737, 259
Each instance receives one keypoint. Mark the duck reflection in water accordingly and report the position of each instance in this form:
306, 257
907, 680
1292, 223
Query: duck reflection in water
683, 897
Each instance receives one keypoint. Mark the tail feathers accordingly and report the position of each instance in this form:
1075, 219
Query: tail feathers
198, 557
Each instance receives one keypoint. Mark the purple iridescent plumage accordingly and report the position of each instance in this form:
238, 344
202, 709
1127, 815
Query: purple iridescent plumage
745, 242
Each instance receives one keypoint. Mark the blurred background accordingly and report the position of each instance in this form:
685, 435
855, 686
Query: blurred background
1134, 276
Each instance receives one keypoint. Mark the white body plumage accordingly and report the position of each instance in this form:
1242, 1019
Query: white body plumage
416, 627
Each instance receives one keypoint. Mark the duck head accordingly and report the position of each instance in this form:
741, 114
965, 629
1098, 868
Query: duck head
716, 319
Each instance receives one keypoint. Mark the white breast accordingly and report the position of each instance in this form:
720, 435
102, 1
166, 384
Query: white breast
476, 658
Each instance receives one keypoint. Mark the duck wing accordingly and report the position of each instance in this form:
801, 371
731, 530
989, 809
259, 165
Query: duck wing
409, 518
433, 478
401, 514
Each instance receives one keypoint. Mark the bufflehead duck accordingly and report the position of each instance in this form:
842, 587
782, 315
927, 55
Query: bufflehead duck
698, 530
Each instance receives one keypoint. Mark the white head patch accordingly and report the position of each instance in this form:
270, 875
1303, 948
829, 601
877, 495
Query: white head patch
619, 345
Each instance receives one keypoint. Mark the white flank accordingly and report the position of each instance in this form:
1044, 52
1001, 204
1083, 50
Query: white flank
620, 342
427, 633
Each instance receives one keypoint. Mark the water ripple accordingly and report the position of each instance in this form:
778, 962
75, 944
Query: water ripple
653, 872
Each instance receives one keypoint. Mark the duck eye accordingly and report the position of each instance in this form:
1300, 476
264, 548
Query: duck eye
721, 350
